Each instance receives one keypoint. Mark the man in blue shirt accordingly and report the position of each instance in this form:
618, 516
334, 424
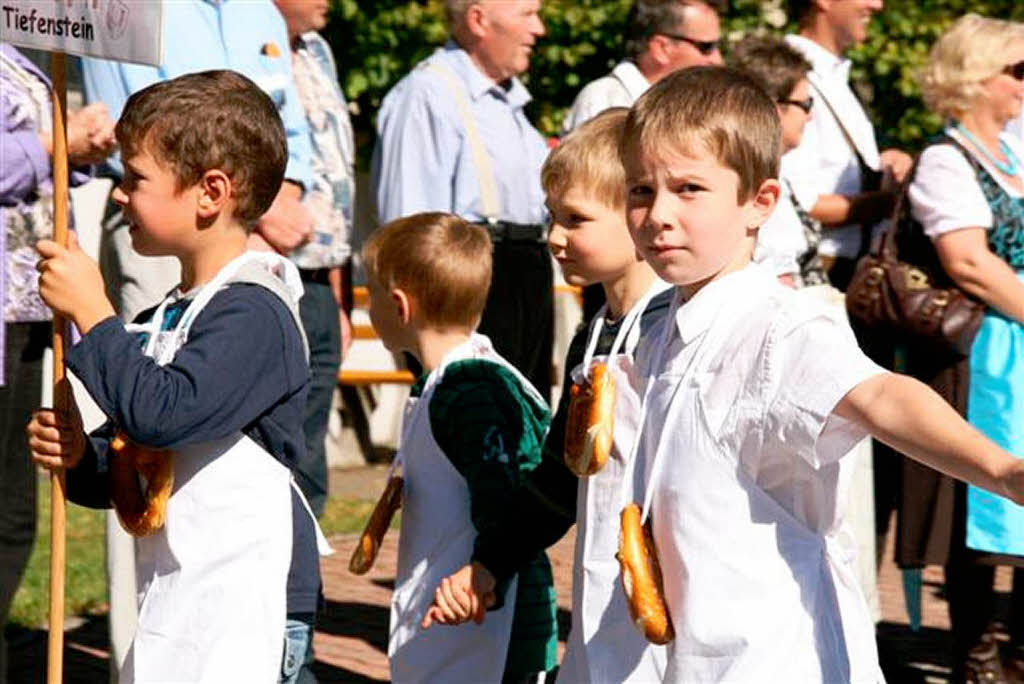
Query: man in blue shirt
454, 137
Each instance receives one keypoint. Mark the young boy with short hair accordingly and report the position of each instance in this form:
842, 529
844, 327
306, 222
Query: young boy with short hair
218, 386
754, 395
472, 431
585, 186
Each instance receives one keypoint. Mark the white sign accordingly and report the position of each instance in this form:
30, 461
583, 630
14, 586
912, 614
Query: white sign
122, 30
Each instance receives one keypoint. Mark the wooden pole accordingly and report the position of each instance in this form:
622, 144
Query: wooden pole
55, 653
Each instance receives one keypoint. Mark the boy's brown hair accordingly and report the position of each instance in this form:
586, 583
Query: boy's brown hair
211, 120
772, 63
708, 109
441, 260
588, 158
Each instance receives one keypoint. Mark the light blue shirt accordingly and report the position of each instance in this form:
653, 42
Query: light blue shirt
423, 162
200, 35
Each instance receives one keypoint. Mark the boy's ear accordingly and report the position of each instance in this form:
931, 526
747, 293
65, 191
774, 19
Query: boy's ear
403, 303
762, 204
215, 190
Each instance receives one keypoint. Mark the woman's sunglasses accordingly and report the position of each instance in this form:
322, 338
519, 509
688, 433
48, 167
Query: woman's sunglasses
805, 105
1015, 70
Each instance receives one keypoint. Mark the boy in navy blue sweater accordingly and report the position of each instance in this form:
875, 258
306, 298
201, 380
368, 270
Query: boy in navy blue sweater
215, 377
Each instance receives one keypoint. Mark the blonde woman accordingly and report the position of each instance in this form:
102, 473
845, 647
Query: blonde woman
968, 195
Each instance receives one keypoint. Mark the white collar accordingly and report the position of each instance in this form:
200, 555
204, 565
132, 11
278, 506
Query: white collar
477, 82
696, 315
824, 63
631, 78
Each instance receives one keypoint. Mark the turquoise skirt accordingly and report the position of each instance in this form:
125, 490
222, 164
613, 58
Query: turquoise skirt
995, 405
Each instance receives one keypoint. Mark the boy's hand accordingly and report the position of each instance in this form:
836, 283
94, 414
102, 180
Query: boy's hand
462, 596
56, 440
1013, 482
71, 284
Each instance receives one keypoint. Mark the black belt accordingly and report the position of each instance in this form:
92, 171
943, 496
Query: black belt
321, 276
506, 231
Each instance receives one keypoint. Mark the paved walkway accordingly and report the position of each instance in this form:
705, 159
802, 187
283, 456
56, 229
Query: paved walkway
351, 641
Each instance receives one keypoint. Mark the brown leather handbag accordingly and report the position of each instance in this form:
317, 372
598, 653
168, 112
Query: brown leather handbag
900, 288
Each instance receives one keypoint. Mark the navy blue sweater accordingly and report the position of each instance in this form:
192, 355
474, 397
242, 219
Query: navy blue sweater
243, 368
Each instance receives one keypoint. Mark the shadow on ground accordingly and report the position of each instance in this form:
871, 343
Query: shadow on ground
85, 652
357, 620
910, 657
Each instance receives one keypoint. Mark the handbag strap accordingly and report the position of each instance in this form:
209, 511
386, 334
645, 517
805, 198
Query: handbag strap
886, 250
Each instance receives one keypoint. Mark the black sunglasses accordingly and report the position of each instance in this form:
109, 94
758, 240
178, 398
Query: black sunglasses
704, 47
1015, 70
805, 105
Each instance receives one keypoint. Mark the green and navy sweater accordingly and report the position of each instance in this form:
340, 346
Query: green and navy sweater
492, 432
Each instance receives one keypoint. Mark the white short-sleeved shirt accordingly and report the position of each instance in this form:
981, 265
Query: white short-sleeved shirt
748, 490
621, 88
945, 195
781, 239
824, 163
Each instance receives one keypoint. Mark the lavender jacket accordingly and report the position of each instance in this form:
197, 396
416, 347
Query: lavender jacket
25, 174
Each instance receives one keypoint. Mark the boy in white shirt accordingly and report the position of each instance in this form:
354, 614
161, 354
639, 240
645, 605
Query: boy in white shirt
753, 396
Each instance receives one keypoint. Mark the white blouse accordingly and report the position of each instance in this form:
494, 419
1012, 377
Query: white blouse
945, 195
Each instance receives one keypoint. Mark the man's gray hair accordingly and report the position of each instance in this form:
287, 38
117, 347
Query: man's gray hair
649, 17
455, 10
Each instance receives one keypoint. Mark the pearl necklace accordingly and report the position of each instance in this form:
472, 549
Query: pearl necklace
1011, 167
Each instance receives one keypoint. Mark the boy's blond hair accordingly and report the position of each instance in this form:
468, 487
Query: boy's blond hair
589, 159
442, 261
708, 109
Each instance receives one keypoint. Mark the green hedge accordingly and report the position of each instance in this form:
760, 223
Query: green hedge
377, 43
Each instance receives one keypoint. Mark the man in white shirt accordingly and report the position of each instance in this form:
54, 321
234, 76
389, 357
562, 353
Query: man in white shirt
834, 170
664, 35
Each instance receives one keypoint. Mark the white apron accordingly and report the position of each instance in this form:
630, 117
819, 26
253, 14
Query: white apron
212, 582
604, 645
436, 539
754, 594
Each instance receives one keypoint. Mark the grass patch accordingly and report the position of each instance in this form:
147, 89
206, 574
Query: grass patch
347, 516
85, 588
86, 577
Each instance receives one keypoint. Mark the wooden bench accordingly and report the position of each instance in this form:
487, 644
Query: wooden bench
363, 378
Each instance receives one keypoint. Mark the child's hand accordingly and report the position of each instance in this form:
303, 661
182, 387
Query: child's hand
462, 596
56, 440
71, 284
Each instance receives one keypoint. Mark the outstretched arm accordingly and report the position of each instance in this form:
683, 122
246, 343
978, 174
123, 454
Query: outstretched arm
908, 416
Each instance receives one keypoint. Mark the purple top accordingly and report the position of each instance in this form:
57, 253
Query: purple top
26, 188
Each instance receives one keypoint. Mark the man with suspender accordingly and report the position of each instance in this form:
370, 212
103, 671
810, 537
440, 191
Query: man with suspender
453, 137
836, 169
663, 36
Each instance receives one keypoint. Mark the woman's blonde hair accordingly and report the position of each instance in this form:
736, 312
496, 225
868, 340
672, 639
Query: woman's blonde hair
972, 50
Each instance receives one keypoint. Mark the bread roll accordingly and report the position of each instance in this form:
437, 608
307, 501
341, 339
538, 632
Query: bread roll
369, 542
140, 514
590, 422
641, 578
